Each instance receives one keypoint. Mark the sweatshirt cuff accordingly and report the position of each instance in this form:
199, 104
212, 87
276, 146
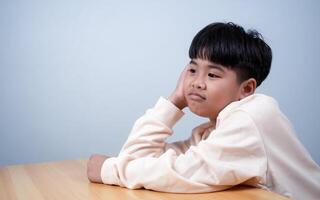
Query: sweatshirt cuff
167, 112
108, 172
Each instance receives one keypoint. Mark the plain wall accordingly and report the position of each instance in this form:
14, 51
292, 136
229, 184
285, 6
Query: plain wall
75, 75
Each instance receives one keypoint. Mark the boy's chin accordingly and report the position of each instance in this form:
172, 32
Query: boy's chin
198, 112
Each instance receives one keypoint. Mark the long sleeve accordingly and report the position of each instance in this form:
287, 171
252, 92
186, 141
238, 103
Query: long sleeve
148, 135
232, 154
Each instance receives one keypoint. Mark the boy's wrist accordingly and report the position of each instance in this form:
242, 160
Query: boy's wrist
176, 101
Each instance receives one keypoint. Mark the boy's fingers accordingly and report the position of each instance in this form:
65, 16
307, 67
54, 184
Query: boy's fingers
182, 75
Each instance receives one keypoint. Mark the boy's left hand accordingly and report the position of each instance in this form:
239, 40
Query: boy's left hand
94, 167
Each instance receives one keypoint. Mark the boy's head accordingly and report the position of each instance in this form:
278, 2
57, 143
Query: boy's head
231, 46
227, 64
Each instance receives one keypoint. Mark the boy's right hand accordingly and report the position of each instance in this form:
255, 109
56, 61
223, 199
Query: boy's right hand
177, 97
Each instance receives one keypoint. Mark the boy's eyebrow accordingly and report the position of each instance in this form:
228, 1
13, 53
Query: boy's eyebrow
210, 65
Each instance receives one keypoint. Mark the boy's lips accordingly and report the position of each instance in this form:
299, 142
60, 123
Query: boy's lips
196, 96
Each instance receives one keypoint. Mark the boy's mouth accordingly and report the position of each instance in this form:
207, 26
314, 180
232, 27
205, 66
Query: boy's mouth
196, 96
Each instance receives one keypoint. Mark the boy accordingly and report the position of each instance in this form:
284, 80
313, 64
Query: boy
247, 140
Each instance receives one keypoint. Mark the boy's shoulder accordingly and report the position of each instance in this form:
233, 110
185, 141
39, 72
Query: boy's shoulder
256, 105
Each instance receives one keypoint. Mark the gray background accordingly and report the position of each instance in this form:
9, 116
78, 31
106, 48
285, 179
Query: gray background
75, 75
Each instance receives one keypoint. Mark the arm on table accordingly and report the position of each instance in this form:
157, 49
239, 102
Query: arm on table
232, 154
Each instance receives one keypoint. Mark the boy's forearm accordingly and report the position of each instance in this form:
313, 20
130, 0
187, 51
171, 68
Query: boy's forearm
149, 133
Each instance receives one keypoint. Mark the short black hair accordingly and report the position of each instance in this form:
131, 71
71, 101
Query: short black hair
228, 44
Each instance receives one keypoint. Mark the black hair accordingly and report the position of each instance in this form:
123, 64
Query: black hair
231, 46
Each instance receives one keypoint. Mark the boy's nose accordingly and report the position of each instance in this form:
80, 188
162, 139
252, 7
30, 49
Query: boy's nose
198, 85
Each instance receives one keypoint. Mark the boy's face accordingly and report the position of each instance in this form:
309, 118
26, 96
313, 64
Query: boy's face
209, 87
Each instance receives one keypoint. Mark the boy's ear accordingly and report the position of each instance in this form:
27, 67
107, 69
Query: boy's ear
247, 88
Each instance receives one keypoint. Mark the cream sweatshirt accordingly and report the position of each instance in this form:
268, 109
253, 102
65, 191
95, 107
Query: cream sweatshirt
252, 143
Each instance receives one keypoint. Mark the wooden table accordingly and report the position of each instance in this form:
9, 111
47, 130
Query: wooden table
68, 180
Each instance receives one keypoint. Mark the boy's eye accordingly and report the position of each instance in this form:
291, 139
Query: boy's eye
192, 70
211, 75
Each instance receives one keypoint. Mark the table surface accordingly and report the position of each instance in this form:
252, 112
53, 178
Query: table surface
68, 180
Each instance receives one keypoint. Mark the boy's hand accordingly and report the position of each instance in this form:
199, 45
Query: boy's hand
177, 97
94, 167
